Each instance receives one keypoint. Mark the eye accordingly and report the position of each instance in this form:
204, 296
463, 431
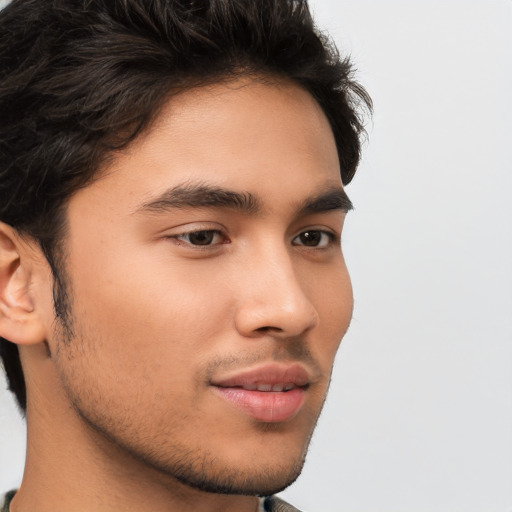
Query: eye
203, 237
314, 238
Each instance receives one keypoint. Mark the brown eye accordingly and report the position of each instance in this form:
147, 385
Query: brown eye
203, 237
313, 238
310, 238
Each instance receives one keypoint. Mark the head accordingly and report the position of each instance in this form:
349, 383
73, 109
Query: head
198, 150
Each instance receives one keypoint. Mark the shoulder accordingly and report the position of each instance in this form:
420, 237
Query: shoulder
275, 504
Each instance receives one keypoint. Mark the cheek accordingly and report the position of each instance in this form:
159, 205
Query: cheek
341, 304
333, 299
142, 284
155, 317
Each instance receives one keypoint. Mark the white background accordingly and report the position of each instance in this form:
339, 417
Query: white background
419, 417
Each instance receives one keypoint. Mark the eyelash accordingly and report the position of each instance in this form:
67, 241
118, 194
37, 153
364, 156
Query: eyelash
213, 232
327, 237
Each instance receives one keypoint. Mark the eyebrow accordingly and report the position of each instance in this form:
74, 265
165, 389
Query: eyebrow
206, 196
202, 196
333, 199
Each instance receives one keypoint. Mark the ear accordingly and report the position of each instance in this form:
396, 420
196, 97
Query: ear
19, 319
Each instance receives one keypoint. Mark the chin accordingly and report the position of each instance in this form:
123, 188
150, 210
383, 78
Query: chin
256, 480
224, 470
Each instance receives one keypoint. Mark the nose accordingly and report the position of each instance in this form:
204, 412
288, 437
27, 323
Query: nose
272, 300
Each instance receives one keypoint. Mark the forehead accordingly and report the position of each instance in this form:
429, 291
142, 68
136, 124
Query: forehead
245, 135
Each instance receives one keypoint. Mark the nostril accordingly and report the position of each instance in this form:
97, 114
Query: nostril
273, 314
268, 328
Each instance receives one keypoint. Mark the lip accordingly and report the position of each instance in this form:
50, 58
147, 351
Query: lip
268, 374
253, 391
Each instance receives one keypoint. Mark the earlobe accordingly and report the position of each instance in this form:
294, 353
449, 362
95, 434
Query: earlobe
19, 319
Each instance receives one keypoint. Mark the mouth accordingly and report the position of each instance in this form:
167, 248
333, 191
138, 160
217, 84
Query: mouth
267, 388
269, 394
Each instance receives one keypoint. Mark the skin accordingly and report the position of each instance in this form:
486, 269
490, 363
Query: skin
122, 414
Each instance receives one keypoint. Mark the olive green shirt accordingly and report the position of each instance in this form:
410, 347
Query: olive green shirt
270, 504
275, 504
7, 500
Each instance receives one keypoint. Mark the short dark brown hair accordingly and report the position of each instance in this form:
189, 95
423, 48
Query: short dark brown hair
81, 78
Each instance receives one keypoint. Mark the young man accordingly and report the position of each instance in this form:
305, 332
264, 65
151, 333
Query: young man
172, 287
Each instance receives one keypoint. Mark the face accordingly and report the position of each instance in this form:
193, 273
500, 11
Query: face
208, 291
